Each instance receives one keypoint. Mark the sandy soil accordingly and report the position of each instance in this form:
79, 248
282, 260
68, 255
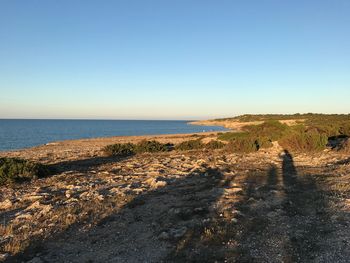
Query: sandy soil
195, 206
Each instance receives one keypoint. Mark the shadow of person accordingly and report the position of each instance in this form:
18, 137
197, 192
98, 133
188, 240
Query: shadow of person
306, 206
291, 214
289, 172
253, 232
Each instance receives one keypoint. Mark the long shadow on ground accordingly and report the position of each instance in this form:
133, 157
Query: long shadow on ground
288, 217
143, 230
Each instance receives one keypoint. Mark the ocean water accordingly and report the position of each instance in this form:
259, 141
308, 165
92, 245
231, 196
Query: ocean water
18, 134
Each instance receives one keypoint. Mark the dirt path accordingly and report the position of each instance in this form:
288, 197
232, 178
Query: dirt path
198, 207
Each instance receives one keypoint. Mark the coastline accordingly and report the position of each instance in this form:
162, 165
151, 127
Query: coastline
30, 134
91, 147
237, 126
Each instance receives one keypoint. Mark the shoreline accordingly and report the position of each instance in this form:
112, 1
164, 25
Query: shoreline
55, 141
92, 147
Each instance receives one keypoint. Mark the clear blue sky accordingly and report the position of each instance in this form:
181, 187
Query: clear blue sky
178, 59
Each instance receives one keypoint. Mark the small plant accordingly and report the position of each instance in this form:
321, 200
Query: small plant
120, 149
228, 136
16, 170
212, 145
129, 149
304, 141
264, 143
272, 129
189, 145
243, 145
151, 147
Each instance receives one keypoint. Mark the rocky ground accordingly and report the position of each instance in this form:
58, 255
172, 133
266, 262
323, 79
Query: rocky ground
195, 206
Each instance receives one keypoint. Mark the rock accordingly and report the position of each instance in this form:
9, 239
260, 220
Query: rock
164, 236
5, 204
234, 220
32, 197
155, 183
4, 256
233, 190
68, 194
271, 215
179, 232
35, 260
26, 216
36, 205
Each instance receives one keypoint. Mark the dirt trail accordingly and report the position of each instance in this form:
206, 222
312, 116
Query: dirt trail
201, 207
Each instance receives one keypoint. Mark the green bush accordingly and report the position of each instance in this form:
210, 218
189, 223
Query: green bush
243, 145
212, 145
272, 129
120, 149
15, 170
151, 147
189, 145
304, 141
128, 149
228, 136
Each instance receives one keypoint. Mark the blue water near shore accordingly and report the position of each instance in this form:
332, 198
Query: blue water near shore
18, 134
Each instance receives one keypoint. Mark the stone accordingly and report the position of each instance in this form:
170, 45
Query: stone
5, 204
179, 232
4, 256
35, 260
155, 183
164, 236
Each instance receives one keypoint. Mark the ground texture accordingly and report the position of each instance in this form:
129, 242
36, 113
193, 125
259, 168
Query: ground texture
196, 206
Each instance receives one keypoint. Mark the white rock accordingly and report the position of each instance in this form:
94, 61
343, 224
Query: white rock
5, 204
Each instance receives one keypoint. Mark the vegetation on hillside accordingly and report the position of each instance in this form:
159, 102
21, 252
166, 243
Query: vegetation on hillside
128, 149
213, 144
313, 117
16, 170
311, 132
190, 145
301, 139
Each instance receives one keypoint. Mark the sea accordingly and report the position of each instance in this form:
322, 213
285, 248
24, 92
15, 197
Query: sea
18, 134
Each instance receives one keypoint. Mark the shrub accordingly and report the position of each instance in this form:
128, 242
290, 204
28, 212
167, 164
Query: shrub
345, 129
228, 136
212, 145
189, 145
120, 149
243, 145
272, 129
345, 146
15, 170
151, 146
128, 149
264, 142
304, 141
